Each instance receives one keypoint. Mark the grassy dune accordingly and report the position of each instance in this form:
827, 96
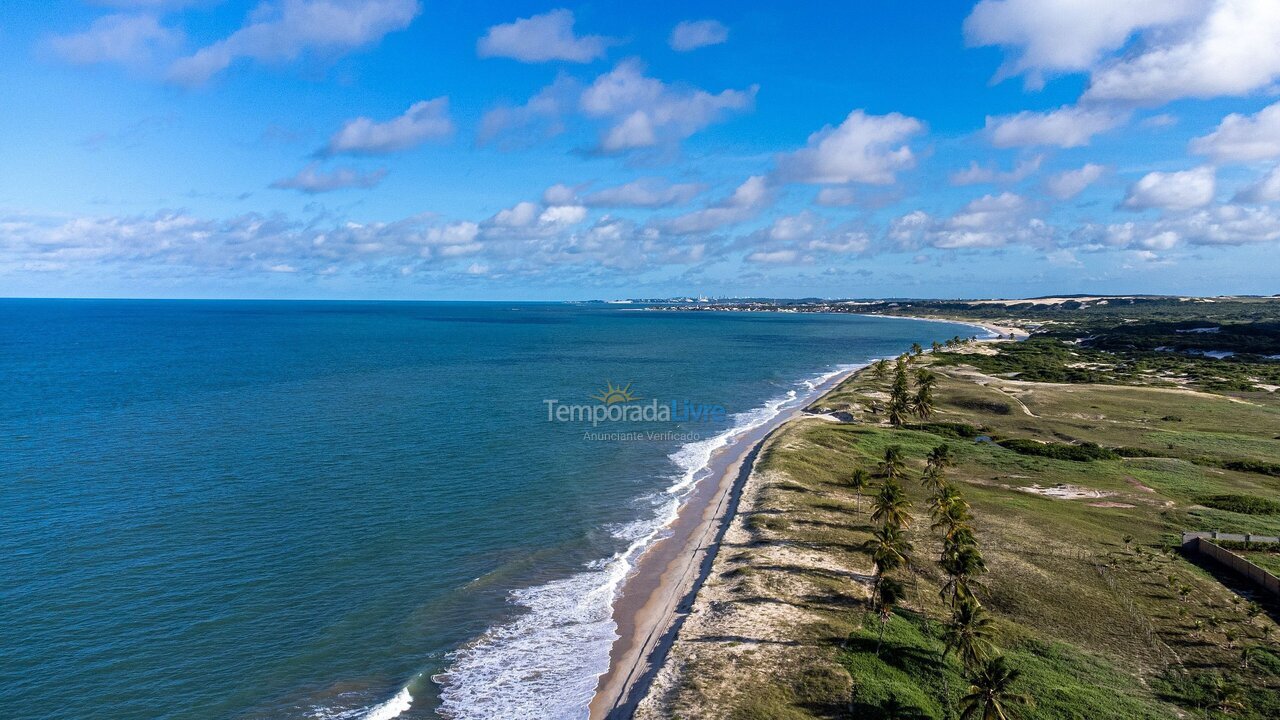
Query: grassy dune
1091, 601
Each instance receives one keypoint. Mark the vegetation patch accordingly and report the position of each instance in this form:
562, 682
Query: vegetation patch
1083, 452
1246, 504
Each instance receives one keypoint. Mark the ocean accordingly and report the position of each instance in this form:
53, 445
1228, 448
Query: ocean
357, 510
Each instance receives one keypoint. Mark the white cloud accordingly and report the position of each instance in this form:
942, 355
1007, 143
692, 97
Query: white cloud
282, 31
1243, 138
1233, 50
512, 127
1219, 225
864, 148
131, 40
774, 257
988, 222
312, 180
747, 200
1184, 190
693, 34
645, 193
560, 194
424, 120
542, 38
1065, 35
645, 112
1068, 126
1265, 190
1070, 183
523, 214
836, 197
977, 174
563, 215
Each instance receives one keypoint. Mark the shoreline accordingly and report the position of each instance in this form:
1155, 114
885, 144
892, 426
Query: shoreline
664, 581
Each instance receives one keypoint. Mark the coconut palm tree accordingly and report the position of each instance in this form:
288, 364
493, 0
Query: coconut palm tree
937, 346
859, 479
940, 458
1226, 697
894, 465
969, 634
881, 369
916, 349
888, 593
890, 549
922, 401
962, 565
891, 506
991, 695
900, 395
948, 509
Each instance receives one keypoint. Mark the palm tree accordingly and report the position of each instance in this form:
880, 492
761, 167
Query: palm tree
891, 505
916, 349
858, 481
888, 593
923, 399
969, 634
890, 549
894, 465
881, 369
937, 346
962, 565
991, 695
940, 458
1226, 696
900, 395
948, 509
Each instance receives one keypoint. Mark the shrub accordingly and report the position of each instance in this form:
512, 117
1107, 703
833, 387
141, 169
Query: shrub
1246, 504
1084, 452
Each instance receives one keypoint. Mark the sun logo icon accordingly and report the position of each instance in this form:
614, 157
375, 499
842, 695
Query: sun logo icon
615, 394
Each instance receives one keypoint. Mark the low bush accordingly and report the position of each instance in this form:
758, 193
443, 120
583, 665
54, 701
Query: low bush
1246, 504
1084, 452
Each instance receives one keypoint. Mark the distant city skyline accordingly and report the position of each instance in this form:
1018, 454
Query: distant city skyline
397, 149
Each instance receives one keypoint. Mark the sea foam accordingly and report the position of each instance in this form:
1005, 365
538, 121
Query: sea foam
545, 664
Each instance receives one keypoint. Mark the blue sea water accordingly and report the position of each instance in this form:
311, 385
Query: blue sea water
287, 510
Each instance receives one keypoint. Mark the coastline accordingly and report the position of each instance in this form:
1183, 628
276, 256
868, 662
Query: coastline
665, 578
659, 592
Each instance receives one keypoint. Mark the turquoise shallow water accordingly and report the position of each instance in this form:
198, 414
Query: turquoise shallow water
306, 510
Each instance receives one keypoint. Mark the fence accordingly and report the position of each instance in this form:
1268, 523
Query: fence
1202, 543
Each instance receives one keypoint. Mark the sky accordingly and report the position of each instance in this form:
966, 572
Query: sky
410, 149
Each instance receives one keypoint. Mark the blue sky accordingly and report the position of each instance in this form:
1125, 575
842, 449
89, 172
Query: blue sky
414, 149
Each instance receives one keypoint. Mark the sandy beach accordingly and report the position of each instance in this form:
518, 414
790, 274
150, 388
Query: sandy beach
659, 593
651, 606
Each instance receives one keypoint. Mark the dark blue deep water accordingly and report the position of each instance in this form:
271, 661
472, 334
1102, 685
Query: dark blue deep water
309, 509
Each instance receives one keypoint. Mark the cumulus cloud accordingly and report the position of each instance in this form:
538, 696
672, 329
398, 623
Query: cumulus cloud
131, 40
512, 127
1070, 183
746, 201
1219, 225
863, 149
803, 238
1065, 35
423, 121
312, 180
644, 111
988, 222
1232, 50
977, 174
693, 34
836, 197
644, 193
283, 31
1068, 126
542, 38
1265, 190
1243, 138
1184, 190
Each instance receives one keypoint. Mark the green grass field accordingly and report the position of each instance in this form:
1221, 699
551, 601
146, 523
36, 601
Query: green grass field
1093, 603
